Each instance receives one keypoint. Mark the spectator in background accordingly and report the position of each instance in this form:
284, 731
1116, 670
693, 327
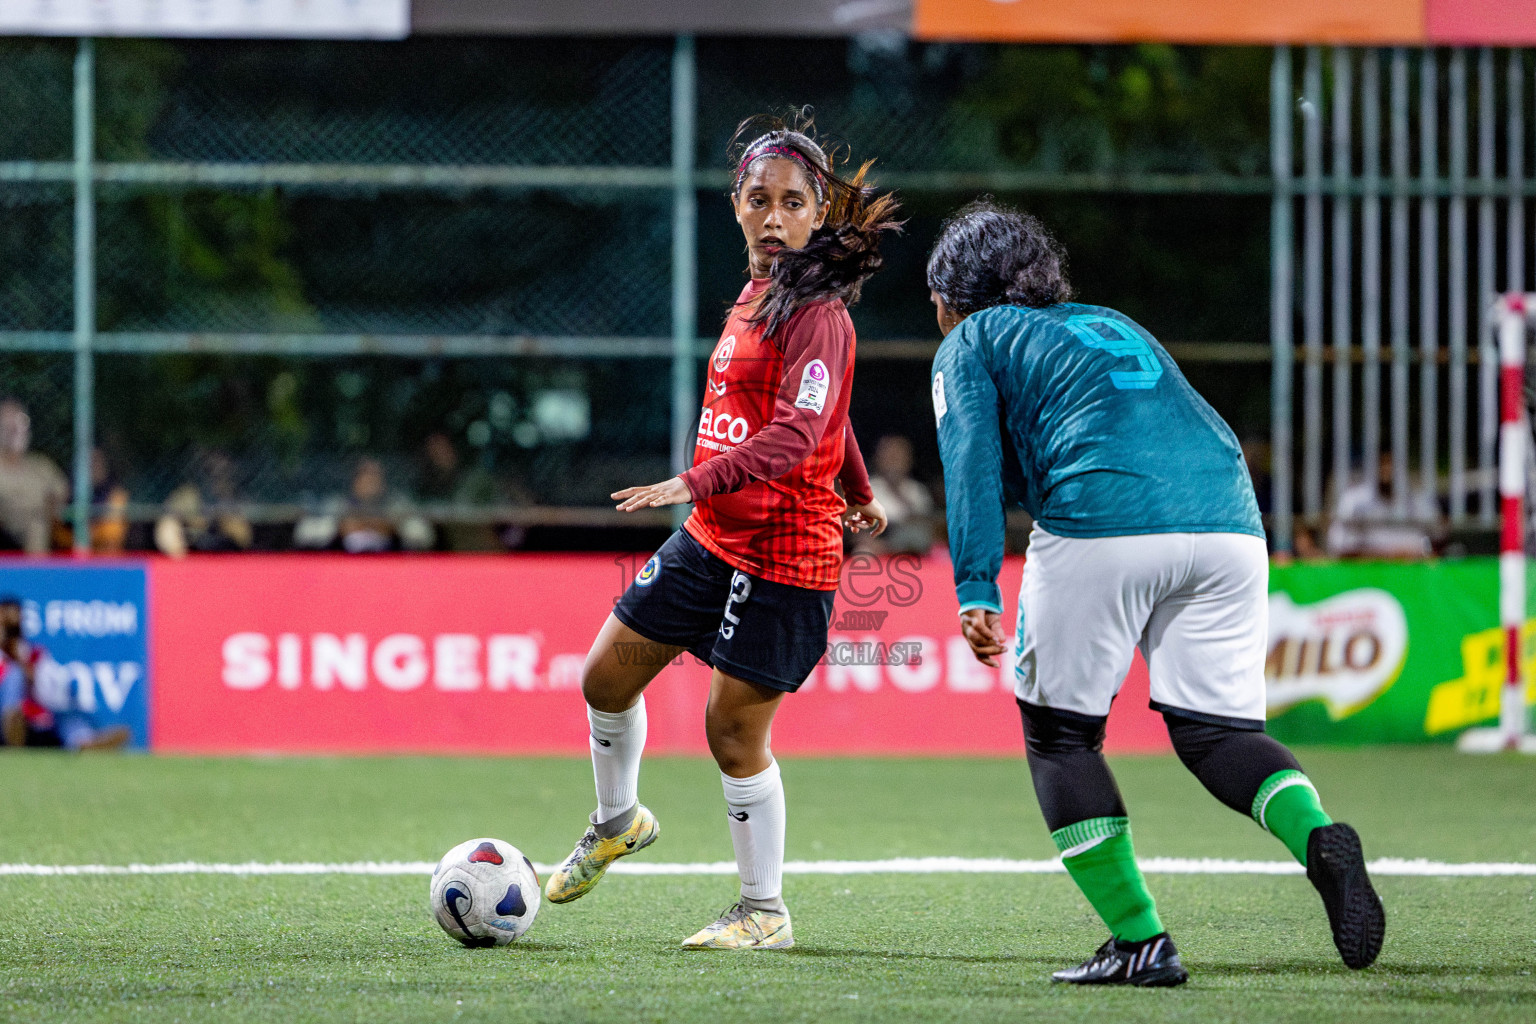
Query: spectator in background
1257, 457
32, 488
1304, 545
109, 507
367, 524
370, 519
907, 501
1366, 523
218, 472
442, 480
37, 707
192, 524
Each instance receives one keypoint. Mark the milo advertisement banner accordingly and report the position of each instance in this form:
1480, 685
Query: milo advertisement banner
1386, 652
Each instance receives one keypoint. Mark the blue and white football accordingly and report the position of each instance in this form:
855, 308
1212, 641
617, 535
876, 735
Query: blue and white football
485, 893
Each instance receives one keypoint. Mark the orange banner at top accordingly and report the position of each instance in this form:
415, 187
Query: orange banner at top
1408, 22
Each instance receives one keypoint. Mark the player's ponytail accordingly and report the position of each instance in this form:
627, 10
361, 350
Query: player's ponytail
991, 255
845, 250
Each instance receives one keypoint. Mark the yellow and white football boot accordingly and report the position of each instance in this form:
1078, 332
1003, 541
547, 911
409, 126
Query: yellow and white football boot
586, 865
740, 928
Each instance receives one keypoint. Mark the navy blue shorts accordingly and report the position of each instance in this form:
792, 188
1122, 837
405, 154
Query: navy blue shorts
764, 632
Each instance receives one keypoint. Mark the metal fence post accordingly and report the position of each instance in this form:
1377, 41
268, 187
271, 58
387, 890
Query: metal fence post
685, 399
1280, 295
85, 289
1312, 288
1429, 274
1370, 263
1343, 267
1399, 272
1488, 353
1456, 242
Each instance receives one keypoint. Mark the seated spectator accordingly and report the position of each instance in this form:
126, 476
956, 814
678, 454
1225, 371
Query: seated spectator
370, 519
190, 524
37, 706
366, 526
1258, 457
1366, 523
33, 489
441, 476
906, 500
441, 479
109, 507
1304, 546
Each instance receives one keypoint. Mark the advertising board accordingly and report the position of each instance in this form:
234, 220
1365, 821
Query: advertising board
468, 654
484, 655
1383, 652
92, 622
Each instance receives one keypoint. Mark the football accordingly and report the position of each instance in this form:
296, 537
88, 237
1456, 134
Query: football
485, 893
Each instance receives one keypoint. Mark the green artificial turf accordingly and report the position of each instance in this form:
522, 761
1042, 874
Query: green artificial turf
870, 947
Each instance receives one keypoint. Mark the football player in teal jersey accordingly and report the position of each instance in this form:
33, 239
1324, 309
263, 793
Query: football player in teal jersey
1146, 535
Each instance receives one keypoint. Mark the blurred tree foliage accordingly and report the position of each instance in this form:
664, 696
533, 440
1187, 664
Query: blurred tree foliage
189, 249
1189, 267
1149, 107
484, 262
167, 260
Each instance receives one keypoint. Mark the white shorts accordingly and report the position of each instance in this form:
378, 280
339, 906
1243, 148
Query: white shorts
1197, 604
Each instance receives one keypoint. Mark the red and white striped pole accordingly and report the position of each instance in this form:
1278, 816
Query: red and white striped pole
1512, 440
1512, 312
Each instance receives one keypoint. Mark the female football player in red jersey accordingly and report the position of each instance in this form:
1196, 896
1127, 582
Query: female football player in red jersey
747, 584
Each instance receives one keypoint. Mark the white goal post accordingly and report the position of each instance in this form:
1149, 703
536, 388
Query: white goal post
1514, 315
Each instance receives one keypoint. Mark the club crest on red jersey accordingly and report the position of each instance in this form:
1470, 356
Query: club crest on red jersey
723, 353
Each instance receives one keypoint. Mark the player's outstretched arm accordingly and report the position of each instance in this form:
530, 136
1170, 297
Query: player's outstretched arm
668, 492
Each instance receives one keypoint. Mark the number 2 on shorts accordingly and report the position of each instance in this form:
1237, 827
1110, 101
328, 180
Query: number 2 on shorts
741, 589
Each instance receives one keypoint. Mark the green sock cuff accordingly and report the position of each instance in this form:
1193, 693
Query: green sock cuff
1292, 812
1274, 784
1088, 830
1108, 875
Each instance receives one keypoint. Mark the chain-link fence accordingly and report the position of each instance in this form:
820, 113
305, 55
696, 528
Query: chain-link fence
458, 258
258, 339
36, 238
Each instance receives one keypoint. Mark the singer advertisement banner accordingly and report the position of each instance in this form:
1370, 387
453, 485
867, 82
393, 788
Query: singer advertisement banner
484, 655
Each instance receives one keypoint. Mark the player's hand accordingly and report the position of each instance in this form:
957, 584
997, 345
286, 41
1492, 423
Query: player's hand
869, 517
668, 492
983, 630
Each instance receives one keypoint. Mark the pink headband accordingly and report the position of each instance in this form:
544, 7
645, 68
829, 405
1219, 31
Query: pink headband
788, 152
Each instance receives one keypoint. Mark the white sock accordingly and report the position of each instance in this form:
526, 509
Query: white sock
756, 809
616, 742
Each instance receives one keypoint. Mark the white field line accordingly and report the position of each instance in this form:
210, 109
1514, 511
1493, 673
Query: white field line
900, 865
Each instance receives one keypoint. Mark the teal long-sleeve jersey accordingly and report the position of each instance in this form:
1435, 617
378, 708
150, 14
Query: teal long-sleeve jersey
1077, 414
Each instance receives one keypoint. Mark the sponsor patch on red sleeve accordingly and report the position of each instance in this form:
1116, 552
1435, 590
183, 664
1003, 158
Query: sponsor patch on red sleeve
813, 387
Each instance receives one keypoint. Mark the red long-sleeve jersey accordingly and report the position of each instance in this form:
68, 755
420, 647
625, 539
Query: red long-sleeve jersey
773, 436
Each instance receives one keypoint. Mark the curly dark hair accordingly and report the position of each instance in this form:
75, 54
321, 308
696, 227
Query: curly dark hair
993, 255
845, 251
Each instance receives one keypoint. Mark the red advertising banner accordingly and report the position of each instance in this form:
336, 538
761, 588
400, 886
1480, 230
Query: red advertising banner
1482, 22
1179, 21
467, 654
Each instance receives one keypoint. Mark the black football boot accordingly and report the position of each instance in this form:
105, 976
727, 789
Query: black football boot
1151, 963
1336, 868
